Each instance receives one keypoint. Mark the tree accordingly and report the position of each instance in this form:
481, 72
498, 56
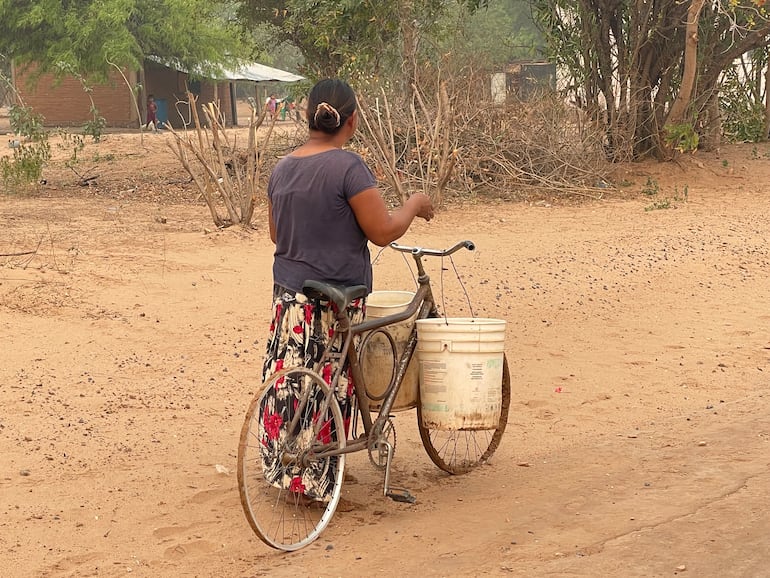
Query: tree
85, 36
502, 33
626, 62
351, 37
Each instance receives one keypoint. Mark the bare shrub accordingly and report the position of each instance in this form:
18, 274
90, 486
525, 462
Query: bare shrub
538, 145
230, 178
413, 149
451, 141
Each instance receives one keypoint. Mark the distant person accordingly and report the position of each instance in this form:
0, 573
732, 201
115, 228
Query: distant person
152, 114
288, 107
272, 106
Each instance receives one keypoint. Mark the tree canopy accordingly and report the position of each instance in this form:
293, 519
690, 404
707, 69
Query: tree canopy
346, 37
88, 36
501, 33
630, 63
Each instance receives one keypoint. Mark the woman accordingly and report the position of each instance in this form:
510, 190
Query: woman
324, 209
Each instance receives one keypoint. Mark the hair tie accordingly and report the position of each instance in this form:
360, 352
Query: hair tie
326, 107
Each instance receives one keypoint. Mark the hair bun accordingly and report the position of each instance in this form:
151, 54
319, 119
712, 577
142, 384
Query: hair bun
326, 115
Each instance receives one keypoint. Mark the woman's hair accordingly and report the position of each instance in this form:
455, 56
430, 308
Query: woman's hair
330, 104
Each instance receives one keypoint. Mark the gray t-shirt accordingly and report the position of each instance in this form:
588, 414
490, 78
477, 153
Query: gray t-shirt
317, 235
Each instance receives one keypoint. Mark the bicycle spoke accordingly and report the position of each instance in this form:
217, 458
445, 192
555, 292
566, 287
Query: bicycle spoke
274, 464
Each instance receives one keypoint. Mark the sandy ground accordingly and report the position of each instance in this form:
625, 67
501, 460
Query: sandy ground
638, 442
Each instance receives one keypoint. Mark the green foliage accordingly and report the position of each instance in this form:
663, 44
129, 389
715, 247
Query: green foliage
85, 35
682, 137
651, 188
95, 127
31, 150
501, 33
6, 87
351, 38
73, 143
25, 166
623, 62
741, 102
757, 155
685, 194
26, 122
660, 204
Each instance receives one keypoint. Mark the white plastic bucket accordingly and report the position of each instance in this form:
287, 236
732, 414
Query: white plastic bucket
377, 359
461, 372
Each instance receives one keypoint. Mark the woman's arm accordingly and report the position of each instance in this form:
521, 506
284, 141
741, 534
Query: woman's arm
272, 223
382, 226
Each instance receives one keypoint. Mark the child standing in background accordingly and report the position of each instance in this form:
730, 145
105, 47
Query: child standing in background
152, 112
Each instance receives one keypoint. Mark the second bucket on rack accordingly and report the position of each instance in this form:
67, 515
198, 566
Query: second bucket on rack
377, 360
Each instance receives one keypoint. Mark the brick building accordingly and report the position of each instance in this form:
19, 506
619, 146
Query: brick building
65, 103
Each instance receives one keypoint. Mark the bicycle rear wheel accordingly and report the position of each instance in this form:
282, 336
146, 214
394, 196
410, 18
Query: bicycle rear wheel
289, 496
459, 451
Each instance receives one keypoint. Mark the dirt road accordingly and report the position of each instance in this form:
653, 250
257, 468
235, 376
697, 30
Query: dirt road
638, 442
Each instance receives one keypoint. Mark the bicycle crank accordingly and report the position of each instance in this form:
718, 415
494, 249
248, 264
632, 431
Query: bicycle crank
382, 446
397, 494
379, 444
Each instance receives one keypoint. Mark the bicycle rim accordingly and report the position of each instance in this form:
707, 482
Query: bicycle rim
285, 517
458, 452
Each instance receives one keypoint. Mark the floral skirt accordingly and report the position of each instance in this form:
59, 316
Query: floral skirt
299, 332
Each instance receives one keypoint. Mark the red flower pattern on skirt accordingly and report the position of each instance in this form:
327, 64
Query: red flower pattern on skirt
273, 423
296, 486
299, 331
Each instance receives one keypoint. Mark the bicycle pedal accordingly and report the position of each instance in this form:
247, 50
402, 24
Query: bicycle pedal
401, 495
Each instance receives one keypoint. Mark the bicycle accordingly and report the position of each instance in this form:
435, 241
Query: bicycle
284, 517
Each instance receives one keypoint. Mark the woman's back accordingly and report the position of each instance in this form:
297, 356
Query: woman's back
317, 234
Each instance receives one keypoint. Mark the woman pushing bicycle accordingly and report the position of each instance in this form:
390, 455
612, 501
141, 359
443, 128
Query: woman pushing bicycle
324, 207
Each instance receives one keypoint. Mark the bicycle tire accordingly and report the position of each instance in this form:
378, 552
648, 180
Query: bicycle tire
458, 452
286, 519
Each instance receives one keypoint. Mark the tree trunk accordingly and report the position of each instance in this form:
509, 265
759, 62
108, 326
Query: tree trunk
409, 40
679, 108
712, 131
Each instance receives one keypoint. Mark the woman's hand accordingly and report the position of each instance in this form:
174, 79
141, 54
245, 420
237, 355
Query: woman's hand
423, 206
382, 226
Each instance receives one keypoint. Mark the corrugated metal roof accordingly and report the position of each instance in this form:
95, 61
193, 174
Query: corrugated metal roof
254, 72
259, 72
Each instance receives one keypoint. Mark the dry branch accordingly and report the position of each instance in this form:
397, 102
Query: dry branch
454, 141
226, 177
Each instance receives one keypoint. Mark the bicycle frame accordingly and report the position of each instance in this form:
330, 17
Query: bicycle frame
423, 302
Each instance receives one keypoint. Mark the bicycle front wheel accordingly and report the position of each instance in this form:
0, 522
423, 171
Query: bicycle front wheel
288, 495
459, 451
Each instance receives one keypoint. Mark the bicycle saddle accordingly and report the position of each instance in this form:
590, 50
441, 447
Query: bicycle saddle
342, 296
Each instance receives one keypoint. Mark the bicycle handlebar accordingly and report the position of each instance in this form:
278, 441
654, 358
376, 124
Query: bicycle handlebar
419, 251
